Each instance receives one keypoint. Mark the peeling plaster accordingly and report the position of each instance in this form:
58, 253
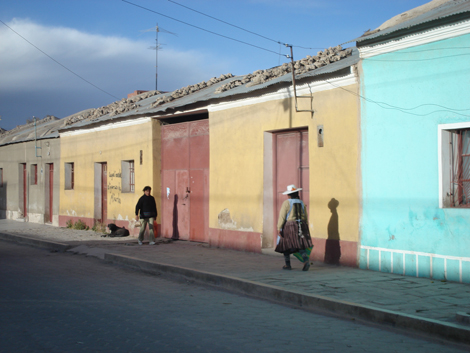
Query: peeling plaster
226, 222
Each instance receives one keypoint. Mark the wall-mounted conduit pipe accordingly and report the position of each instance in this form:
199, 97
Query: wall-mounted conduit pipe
293, 84
36, 137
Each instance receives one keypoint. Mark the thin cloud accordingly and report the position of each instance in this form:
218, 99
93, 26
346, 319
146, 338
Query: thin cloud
117, 65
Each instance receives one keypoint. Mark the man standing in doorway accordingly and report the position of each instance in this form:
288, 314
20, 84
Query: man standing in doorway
148, 214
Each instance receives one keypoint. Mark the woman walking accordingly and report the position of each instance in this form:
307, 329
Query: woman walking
292, 226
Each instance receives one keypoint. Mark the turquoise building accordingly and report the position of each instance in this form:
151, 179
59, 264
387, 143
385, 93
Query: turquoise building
415, 159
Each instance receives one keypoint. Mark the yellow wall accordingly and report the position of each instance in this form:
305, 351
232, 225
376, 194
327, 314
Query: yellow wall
236, 160
111, 146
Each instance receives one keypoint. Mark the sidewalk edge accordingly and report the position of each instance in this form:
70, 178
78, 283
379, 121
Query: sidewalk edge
448, 331
39, 243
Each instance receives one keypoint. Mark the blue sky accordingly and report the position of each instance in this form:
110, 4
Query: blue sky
106, 43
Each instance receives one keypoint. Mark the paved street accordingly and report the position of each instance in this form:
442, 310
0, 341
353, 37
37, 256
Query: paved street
60, 302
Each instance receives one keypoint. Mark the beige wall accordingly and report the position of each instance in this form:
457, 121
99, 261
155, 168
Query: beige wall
236, 160
112, 144
11, 195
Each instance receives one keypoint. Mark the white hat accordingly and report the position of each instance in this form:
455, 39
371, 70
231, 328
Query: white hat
291, 189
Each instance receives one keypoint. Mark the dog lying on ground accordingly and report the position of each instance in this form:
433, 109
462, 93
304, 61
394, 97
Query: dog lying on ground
116, 232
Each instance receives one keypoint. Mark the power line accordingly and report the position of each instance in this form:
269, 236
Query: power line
50, 57
426, 50
235, 26
202, 29
428, 59
201, 13
385, 105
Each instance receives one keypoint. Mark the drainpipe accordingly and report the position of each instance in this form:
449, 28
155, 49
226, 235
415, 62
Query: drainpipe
293, 83
36, 137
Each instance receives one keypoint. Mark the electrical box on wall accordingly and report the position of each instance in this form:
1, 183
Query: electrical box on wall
320, 134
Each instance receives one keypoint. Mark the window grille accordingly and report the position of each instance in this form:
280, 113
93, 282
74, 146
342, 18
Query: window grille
131, 176
460, 169
127, 176
69, 176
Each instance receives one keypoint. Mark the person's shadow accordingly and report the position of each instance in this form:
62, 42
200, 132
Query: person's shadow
333, 248
176, 233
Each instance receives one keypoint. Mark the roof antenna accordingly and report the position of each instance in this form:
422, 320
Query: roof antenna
157, 47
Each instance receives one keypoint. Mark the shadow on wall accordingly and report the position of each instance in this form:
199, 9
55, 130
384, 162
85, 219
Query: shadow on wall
333, 248
176, 233
3, 201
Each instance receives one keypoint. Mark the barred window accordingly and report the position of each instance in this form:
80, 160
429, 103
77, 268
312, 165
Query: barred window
456, 167
127, 176
69, 176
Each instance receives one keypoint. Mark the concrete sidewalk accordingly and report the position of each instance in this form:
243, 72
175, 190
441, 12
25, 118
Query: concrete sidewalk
438, 308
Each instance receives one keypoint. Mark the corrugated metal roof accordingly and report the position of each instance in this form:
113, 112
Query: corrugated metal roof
446, 10
208, 93
46, 130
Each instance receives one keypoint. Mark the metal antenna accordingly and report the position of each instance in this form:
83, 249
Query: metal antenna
157, 47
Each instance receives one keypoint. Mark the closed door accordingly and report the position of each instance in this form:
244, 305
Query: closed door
24, 185
185, 180
104, 193
291, 166
51, 189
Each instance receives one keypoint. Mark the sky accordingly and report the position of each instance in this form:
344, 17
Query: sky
59, 57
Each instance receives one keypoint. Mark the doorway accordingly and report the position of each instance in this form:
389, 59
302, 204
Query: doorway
49, 192
23, 188
291, 166
185, 180
101, 192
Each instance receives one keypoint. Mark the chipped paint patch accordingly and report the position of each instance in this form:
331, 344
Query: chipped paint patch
71, 213
225, 221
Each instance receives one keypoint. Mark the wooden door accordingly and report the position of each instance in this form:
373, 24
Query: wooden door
185, 180
24, 183
104, 193
291, 166
51, 189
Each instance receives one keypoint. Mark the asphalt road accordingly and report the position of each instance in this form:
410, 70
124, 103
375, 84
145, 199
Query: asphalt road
59, 302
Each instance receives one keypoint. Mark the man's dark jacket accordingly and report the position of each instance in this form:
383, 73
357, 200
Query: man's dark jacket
147, 207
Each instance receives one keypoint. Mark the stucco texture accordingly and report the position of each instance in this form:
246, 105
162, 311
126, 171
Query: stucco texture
409, 93
236, 160
11, 193
113, 145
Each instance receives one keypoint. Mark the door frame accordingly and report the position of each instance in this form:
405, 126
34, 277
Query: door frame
270, 215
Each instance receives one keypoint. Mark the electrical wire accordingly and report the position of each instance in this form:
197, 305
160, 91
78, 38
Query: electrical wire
235, 26
428, 59
426, 50
200, 28
385, 105
65, 67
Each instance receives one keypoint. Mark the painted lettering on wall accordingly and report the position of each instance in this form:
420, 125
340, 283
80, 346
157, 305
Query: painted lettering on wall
114, 186
114, 198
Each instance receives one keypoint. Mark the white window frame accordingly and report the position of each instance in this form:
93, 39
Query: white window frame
444, 162
128, 176
69, 173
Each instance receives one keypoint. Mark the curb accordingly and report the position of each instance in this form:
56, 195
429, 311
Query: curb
49, 245
448, 331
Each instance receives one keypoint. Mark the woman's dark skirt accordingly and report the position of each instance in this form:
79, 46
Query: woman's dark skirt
291, 242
